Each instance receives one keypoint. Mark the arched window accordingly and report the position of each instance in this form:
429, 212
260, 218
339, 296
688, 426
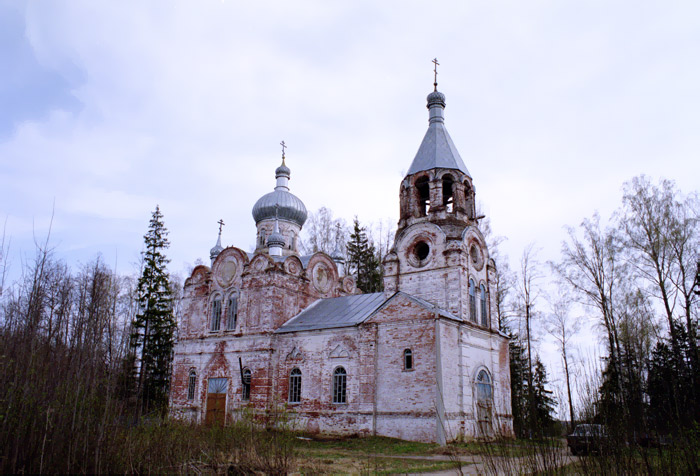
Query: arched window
484, 315
423, 190
245, 392
216, 314
191, 384
340, 385
484, 402
232, 312
484, 390
407, 359
447, 192
295, 386
472, 300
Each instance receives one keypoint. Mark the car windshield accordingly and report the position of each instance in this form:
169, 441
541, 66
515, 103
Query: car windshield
589, 430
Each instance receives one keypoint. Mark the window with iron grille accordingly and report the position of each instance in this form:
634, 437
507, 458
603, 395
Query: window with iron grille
407, 359
340, 385
472, 300
295, 386
232, 314
192, 385
245, 393
216, 315
484, 315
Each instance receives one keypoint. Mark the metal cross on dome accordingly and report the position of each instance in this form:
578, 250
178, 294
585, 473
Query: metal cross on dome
435, 61
221, 223
284, 146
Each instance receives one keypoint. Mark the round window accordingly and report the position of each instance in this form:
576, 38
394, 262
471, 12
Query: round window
422, 250
419, 253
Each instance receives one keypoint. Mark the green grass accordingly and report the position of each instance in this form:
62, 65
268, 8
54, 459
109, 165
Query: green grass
367, 445
368, 455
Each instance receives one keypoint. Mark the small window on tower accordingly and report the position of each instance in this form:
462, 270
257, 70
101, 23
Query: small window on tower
484, 315
407, 359
472, 300
422, 250
423, 190
469, 200
447, 193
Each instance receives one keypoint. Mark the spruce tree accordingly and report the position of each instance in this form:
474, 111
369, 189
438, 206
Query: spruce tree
544, 402
153, 327
363, 261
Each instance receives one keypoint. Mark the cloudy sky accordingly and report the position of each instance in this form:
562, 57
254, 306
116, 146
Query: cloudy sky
109, 108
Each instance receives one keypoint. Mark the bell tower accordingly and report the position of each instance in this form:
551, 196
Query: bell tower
438, 186
439, 254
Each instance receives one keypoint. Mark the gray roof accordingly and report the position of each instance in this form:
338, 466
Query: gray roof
330, 313
281, 204
437, 149
348, 311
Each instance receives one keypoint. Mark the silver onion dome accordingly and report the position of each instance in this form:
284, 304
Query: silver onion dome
289, 206
436, 98
282, 170
280, 203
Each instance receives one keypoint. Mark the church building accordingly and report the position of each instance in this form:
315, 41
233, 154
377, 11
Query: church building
423, 360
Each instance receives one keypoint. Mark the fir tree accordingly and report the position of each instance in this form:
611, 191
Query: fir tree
153, 328
363, 261
518, 389
544, 403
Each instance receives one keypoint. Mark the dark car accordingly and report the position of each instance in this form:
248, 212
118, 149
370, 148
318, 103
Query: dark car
587, 438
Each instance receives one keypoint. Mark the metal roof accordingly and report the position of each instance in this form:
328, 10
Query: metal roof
330, 313
437, 149
348, 311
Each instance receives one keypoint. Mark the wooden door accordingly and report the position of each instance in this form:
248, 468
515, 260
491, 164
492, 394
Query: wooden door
216, 401
216, 409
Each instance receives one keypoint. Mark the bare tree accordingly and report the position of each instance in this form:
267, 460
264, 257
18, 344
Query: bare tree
647, 221
320, 232
591, 266
528, 291
563, 327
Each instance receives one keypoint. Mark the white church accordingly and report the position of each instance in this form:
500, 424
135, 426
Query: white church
423, 360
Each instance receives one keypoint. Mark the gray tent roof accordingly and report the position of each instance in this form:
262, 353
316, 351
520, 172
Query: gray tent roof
437, 149
347, 311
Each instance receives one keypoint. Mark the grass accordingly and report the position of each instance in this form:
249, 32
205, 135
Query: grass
365, 455
367, 445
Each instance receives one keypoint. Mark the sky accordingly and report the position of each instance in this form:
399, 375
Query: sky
108, 109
